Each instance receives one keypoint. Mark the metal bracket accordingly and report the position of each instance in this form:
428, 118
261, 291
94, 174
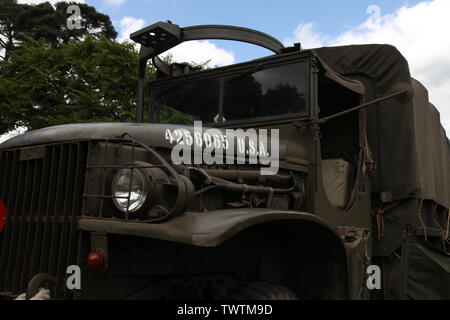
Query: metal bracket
162, 36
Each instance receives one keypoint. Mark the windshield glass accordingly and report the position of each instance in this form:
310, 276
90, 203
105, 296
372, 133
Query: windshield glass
274, 91
255, 93
194, 100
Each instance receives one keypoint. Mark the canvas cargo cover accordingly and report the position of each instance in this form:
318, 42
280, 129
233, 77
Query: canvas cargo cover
408, 142
425, 271
335, 174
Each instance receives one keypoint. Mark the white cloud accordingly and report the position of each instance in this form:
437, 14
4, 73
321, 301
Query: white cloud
308, 35
202, 51
419, 32
129, 25
114, 2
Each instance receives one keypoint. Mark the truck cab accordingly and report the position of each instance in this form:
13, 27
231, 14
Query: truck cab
110, 199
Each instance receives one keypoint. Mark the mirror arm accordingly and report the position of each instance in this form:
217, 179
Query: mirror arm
358, 107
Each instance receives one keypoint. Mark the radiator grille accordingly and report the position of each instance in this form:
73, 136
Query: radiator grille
42, 190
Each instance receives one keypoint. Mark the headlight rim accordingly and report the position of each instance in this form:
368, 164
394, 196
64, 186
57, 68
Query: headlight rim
134, 168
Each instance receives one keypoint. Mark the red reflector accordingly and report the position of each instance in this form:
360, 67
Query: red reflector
2, 215
95, 259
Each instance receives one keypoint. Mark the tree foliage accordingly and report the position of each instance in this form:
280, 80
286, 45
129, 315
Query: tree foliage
53, 75
81, 81
18, 21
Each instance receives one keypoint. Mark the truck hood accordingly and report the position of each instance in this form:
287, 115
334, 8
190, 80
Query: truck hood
150, 134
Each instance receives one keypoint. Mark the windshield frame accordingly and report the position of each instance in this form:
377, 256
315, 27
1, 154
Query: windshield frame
228, 72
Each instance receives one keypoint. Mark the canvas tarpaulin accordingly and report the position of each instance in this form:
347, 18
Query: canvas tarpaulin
432, 149
425, 271
408, 142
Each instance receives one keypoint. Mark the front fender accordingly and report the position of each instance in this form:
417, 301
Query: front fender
207, 229
296, 249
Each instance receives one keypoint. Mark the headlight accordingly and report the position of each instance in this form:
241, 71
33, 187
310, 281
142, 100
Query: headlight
129, 189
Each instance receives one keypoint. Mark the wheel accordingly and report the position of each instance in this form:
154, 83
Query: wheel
261, 290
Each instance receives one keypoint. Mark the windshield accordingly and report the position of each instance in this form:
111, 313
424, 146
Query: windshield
253, 93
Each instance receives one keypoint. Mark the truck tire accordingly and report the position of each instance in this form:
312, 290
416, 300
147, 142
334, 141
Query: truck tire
261, 290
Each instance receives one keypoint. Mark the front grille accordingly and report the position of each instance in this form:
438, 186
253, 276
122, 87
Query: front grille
42, 188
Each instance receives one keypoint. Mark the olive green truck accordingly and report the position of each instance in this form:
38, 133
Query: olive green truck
358, 207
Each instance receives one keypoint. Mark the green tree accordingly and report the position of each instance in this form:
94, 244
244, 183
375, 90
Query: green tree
81, 81
18, 21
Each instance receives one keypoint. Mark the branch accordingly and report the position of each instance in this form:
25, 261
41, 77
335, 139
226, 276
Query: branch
3, 43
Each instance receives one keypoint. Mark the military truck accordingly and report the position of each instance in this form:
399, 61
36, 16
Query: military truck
363, 182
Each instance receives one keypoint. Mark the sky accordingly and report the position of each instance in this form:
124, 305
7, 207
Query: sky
419, 29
